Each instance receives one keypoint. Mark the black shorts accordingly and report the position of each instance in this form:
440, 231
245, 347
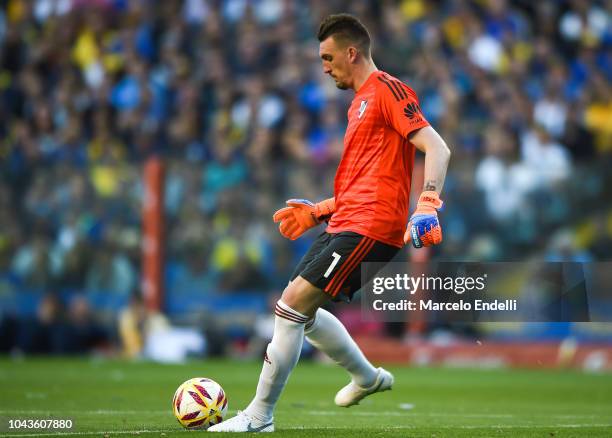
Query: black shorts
333, 262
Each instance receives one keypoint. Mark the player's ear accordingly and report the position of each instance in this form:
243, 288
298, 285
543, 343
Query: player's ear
352, 53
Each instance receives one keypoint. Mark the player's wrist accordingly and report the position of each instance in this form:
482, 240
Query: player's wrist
325, 209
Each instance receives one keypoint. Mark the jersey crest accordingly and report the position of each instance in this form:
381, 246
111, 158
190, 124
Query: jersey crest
362, 108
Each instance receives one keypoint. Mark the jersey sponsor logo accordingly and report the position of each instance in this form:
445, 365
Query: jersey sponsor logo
362, 108
411, 110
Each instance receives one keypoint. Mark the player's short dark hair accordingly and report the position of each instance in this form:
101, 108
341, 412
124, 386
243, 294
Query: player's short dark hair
346, 29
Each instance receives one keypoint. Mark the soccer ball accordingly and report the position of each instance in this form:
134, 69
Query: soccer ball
199, 403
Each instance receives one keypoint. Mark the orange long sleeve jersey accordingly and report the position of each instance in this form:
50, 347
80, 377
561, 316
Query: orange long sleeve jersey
372, 184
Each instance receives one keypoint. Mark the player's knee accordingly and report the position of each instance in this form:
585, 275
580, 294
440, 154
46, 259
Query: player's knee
291, 297
303, 297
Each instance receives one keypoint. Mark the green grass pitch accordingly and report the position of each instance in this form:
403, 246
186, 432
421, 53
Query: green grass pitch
118, 399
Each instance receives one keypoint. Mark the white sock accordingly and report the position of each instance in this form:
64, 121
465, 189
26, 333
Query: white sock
281, 356
328, 334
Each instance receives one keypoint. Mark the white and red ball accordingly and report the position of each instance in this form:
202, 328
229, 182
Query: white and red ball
199, 403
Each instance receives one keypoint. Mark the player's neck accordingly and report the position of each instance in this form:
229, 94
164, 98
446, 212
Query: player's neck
362, 73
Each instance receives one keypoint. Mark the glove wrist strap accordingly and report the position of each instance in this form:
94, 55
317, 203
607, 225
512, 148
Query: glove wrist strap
429, 198
324, 209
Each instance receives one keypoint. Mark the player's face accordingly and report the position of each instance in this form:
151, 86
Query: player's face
336, 62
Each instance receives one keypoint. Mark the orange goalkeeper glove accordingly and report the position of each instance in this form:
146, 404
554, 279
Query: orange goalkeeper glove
424, 228
300, 215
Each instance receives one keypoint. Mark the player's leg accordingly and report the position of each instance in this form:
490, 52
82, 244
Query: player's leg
329, 265
299, 302
328, 334
325, 331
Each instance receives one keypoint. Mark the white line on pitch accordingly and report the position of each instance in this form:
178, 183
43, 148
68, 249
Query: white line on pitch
102, 432
94, 412
311, 412
495, 426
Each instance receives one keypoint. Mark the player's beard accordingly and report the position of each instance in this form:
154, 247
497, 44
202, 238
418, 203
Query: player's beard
341, 85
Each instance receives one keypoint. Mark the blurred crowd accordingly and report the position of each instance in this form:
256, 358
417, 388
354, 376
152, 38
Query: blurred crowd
55, 328
231, 94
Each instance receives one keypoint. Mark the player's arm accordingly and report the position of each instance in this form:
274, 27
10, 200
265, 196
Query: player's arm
424, 228
300, 215
437, 156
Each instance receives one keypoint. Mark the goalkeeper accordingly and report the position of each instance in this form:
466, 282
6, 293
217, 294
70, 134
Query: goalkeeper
366, 221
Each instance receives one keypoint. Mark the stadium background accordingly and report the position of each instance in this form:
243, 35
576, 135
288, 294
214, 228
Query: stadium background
229, 98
